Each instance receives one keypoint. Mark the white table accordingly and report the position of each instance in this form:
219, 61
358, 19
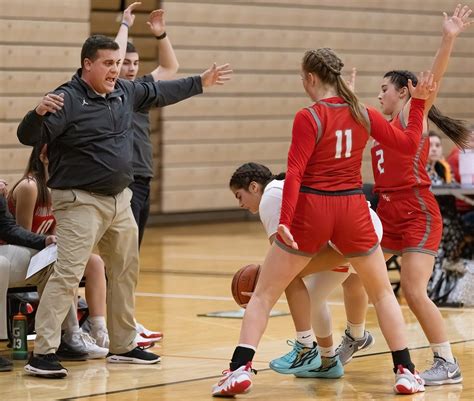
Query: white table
459, 192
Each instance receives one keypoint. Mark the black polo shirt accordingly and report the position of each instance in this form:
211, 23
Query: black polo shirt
90, 140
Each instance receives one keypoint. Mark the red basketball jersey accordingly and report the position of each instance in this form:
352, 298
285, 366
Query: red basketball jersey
335, 159
43, 219
400, 170
327, 146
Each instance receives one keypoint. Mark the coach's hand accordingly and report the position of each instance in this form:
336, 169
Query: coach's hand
216, 75
50, 103
285, 234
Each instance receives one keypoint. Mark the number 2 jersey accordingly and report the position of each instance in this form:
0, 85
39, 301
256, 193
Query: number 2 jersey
328, 144
403, 169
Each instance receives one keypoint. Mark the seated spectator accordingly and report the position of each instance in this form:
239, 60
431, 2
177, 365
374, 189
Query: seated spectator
16, 248
30, 202
452, 240
466, 210
437, 167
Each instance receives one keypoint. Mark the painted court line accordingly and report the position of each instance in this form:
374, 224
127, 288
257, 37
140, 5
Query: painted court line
282, 301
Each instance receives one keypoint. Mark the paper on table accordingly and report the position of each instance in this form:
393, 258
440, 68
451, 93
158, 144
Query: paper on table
42, 259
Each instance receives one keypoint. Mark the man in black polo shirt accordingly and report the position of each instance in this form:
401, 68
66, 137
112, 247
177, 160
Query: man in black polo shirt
87, 125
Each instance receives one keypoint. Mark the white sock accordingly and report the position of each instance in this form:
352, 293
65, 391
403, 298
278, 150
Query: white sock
306, 338
327, 352
97, 322
443, 350
247, 346
356, 330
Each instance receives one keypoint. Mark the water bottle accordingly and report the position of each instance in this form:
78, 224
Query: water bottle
20, 332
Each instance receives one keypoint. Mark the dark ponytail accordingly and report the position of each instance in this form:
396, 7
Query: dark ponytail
249, 172
35, 169
454, 129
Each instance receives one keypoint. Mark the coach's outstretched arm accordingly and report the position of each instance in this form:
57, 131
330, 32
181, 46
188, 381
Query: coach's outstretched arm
164, 93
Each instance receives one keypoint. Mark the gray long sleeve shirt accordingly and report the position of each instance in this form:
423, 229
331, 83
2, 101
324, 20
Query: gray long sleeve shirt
90, 140
13, 234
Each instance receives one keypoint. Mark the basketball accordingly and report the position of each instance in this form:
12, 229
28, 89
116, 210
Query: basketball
244, 280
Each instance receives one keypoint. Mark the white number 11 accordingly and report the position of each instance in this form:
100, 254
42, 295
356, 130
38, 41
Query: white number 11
348, 135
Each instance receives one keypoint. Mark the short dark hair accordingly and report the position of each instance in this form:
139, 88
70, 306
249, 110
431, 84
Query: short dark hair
93, 44
433, 133
131, 48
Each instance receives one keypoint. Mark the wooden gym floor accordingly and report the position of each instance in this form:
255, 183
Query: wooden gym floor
186, 271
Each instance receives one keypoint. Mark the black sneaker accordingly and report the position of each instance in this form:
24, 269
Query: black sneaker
45, 366
5, 364
66, 353
136, 355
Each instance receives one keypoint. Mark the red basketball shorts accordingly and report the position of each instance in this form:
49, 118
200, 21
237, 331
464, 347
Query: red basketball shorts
411, 222
342, 219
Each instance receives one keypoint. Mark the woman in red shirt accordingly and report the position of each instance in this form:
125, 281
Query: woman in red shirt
408, 209
322, 201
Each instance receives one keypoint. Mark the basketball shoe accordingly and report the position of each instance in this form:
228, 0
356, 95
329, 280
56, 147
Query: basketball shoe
331, 368
442, 372
349, 346
234, 382
145, 333
407, 382
299, 359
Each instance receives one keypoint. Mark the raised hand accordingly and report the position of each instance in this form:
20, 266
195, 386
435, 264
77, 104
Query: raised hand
216, 75
459, 21
425, 86
285, 234
352, 81
50, 103
128, 17
156, 22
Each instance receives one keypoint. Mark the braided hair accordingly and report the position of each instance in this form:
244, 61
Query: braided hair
249, 172
327, 66
455, 129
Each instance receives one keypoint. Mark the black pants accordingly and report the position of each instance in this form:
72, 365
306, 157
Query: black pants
140, 203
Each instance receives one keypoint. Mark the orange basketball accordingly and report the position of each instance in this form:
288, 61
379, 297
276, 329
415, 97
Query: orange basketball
244, 280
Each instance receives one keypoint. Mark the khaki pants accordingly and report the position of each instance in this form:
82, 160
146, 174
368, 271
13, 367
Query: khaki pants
85, 220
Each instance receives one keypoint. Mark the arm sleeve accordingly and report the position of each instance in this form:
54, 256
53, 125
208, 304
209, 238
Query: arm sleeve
164, 93
406, 141
35, 128
302, 146
13, 234
29, 130
269, 211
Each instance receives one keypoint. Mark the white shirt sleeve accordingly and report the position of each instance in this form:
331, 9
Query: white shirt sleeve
269, 210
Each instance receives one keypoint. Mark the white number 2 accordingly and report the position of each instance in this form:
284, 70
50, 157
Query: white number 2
348, 135
379, 154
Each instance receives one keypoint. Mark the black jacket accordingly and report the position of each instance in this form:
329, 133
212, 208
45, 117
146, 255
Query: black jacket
13, 234
91, 138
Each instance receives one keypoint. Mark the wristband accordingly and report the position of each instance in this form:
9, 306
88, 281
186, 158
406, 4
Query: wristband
124, 23
162, 36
